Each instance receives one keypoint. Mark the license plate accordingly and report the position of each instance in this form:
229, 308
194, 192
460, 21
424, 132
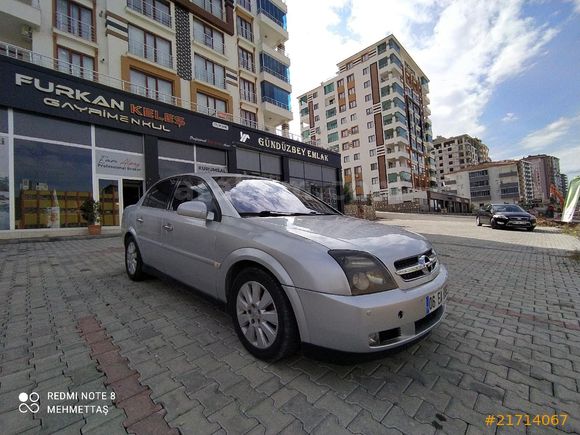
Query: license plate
435, 300
519, 222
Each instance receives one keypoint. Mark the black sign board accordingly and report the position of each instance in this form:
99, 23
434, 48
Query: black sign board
37, 89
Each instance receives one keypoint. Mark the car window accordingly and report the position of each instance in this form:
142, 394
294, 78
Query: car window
160, 194
193, 189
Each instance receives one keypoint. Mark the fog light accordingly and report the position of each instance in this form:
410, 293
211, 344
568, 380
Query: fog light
374, 339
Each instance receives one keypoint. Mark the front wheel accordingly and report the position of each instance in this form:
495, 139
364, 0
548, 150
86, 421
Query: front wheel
133, 261
478, 221
262, 315
531, 228
493, 224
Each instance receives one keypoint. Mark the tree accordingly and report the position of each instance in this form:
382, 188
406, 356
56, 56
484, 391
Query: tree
347, 192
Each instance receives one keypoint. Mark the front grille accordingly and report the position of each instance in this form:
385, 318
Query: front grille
429, 320
389, 335
409, 262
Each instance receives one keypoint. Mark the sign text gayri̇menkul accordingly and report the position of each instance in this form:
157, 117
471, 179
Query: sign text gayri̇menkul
292, 149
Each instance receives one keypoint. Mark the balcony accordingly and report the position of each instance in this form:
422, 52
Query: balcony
276, 74
397, 153
28, 56
508, 174
207, 40
211, 7
246, 33
151, 54
210, 78
278, 53
275, 112
147, 9
75, 27
15, 13
248, 96
272, 29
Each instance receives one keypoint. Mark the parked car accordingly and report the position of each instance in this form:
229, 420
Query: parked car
290, 268
505, 216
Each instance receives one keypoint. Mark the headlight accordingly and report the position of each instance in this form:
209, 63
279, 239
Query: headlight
499, 216
364, 272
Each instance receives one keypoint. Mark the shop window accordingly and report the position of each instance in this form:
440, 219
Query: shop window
210, 155
4, 184
167, 168
175, 150
51, 183
26, 124
118, 140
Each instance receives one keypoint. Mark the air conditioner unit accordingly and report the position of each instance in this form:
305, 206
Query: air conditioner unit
26, 31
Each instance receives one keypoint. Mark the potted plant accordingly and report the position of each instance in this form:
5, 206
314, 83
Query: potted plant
90, 210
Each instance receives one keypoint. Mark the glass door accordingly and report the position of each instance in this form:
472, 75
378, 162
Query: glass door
109, 199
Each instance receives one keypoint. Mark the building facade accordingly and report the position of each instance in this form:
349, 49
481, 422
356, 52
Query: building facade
89, 125
211, 56
458, 152
375, 112
492, 182
545, 173
526, 175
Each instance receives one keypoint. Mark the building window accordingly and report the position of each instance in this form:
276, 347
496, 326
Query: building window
343, 120
316, 117
328, 88
345, 146
248, 118
370, 111
370, 124
344, 133
76, 64
209, 72
208, 36
365, 71
331, 125
358, 170
245, 29
340, 83
354, 129
274, 67
332, 137
150, 46
356, 143
368, 97
346, 159
246, 60
374, 166
367, 84
210, 105
214, 7
315, 107
247, 90
350, 78
353, 117
342, 108
275, 95
375, 180
371, 138
156, 9
341, 95
74, 18
351, 91
348, 172
352, 104
372, 152
151, 86
331, 112
357, 156
52, 181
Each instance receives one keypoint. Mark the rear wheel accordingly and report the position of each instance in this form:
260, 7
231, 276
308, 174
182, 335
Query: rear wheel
262, 315
478, 221
133, 261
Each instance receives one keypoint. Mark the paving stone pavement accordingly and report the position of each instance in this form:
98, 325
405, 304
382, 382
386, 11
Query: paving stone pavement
510, 344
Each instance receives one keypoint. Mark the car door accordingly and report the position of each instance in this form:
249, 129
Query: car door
149, 220
190, 241
487, 214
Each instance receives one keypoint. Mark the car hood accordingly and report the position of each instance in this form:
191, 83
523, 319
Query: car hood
388, 243
514, 214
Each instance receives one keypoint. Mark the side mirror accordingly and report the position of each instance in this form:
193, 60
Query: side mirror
194, 209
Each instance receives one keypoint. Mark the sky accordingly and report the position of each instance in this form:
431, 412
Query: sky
506, 71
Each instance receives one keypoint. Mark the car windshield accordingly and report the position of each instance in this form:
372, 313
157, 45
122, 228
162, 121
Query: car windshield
259, 197
508, 209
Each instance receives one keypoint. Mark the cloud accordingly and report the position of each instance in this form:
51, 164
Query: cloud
549, 135
509, 117
466, 48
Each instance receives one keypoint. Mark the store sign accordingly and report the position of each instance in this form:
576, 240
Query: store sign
205, 167
119, 164
40, 90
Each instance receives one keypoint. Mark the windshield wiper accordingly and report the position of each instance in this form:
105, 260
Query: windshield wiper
265, 213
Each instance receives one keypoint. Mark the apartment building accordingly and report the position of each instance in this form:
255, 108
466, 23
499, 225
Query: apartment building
526, 175
216, 57
491, 182
456, 153
545, 173
375, 112
101, 98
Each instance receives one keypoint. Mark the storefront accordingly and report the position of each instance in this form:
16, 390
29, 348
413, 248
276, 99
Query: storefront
63, 140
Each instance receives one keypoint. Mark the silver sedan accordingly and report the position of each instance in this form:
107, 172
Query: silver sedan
290, 268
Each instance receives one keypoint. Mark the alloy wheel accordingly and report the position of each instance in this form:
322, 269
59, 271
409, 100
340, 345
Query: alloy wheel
131, 257
257, 314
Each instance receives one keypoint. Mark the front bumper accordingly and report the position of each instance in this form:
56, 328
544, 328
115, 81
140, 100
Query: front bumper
502, 223
345, 323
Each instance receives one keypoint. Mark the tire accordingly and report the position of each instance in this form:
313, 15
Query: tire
133, 260
478, 221
262, 315
493, 225
530, 228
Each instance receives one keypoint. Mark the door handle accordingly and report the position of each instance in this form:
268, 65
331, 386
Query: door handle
168, 227
140, 220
